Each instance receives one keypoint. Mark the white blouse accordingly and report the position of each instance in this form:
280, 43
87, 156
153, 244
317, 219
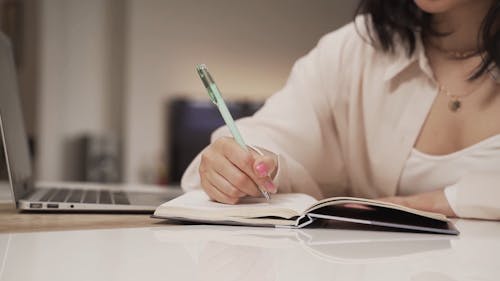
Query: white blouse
346, 121
423, 172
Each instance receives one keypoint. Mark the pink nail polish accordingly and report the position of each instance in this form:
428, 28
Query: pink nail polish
269, 185
261, 169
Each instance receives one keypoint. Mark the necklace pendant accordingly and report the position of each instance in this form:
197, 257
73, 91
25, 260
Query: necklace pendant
454, 105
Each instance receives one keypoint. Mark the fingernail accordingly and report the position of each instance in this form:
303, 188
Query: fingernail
261, 169
269, 185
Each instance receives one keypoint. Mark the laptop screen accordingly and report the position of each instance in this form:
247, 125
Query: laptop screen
14, 139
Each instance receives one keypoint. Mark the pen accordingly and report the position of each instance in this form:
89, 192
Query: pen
216, 98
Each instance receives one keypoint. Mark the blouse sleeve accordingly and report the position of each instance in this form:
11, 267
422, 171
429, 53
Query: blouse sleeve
477, 195
297, 123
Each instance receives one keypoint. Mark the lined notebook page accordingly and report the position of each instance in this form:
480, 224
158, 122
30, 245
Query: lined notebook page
198, 204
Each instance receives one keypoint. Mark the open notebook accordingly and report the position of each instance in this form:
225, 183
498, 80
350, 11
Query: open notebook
299, 210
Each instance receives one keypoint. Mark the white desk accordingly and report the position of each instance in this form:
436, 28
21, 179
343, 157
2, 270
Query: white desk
197, 252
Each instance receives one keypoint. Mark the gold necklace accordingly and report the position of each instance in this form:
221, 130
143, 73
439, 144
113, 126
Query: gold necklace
453, 54
461, 55
455, 102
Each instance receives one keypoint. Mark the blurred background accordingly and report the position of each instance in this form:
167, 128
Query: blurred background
109, 89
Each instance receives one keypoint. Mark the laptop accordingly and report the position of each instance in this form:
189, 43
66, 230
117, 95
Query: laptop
61, 196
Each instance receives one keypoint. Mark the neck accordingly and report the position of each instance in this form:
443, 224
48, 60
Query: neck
461, 26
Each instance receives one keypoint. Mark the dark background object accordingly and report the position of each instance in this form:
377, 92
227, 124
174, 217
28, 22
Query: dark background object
191, 124
99, 157
4, 176
11, 23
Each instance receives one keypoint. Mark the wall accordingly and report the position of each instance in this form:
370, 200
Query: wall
112, 65
249, 46
79, 79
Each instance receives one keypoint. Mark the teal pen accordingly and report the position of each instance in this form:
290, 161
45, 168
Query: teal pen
216, 98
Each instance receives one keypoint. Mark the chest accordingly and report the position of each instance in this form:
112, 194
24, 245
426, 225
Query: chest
445, 131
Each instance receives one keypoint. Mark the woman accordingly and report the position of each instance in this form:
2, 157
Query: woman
402, 105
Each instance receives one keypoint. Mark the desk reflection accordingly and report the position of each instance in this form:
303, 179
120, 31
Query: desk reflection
204, 252
241, 253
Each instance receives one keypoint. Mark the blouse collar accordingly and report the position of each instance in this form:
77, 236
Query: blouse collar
401, 61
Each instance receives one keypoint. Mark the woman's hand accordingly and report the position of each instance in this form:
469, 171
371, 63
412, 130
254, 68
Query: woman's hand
434, 201
228, 172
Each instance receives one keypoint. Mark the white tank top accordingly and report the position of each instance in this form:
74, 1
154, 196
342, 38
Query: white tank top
423, 172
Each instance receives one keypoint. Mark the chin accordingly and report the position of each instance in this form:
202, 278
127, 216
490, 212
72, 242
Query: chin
439, 6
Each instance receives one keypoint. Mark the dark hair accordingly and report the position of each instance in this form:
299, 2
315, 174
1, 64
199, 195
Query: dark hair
402, 18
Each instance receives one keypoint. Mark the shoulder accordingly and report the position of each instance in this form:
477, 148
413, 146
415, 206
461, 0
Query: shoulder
347, 56
349, 52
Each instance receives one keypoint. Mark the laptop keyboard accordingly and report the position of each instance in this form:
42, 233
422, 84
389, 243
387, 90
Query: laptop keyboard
49, 194
60, 195
85, 196
105, 197
75, 196
90, 197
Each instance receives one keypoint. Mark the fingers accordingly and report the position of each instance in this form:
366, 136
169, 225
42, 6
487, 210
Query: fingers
229, 172
245, 161
224, 185
238, 179
263, 167
222, 180
216, 194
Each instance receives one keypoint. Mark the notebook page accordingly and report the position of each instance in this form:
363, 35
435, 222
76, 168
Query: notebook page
196, 204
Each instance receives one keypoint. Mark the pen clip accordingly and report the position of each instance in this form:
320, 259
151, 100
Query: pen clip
207, 80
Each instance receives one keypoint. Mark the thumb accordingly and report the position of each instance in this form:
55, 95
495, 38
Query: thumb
264, 166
